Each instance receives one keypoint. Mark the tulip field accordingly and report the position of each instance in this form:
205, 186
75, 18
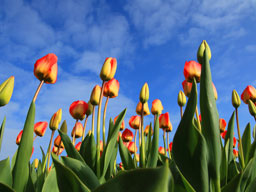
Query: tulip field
107, 157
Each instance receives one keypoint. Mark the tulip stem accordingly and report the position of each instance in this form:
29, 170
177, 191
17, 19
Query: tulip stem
85, 123
37, 91
240, 140
49, 150
198, 121
34, 138
135, 137
164, 141
98, 132
142, 149
181, 112
168, 145
74, 134
93, 116
104, 120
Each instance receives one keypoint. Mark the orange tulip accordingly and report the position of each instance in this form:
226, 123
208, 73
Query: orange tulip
101, 146
58, 142
19, 137
235, 153
131, 147
164, 121
108, 69
146, 131
139, 109
55, 150
111, 88
157, 107
249, 94
127, 135
46, 68
161, 150
122, 125
223, 125
192, 70
79, 130
78, 146
187, 87
78, 109
135, 121
223, 134
40, 128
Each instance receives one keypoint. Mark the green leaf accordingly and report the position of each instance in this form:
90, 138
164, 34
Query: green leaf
5, 173
85, 174
125, 155
67, 179
5, 188
210, 122
246, 142
112, 164
149, 141
252, 186
224, 164
14, 160
50, 183
189, 148
2, 132
69, 147
249, 174
108, 150
21, 168
110, 129
233, 185
229, 137
137, 180
153, 153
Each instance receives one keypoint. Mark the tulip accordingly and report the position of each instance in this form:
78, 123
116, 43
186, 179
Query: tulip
235, 153
161, 150
57, 150
36, 162
223, 134
101, 146
187, 87
119, 135
78, 146
131, 147
127, 135
181, 99
111, 88
78, 109
164, 121
137, 156
55, 120
108, 69
249, 94
234, 142
144, 93
157, 107
223, 125
235, 99
95, 95
6, 89
135, 122
58, 142
192, 70
200, 53
170, 146
89, 109
19, 137
252, 109
146, 131
122, 125
40, 128
145, 109
78, 130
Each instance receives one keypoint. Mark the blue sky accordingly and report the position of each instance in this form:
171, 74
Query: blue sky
151, 40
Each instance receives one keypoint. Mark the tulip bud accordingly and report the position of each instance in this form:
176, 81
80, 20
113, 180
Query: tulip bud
78, 146
111, 88
223, 125
161, 150
252, 108
146, 131
127, 135
108, 69
95, 95
55, 120
78, 109
164, 121
135, 121
157, 107
144, 93
79, 130
58, 142
187, 87
249, 94
122, 125
36, 161
192, 70
235, 153
170, 146
64, 127
19, 137
131, 147
101, 146
6, 89
46, 68
200, 53
234, 142
40, 128
181, 99
223, 134
89, 109
139, 109
235, 99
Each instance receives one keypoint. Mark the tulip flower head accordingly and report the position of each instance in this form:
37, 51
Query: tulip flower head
55, 150
46, 68
182, 99
144, 93
252, 108
157, 107
108, 69
235, 153
192, 70
78, 109
223, 134
122, 125
89, 109
170, 146
78, 146
55, 120
146, 131
145, 110
36, 161
223, 125
137, 156
249, 94
164, 121
135, 122
234, 142
58, 142
18, 139
79, 130
131, 147
40, 128
236, 102
200, 53
111, 88
6, 89
127, 135
95, 95
161, 150
187, 87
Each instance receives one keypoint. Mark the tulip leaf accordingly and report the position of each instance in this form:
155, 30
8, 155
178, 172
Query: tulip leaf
108, 150
5, 173
21, 168
246, 142
84, 172
149, 141
69, 147
189, 148
67, 179
137, 180
110, 129
252, 186
229, 137
210, 123
14, 159
112, 164
224, 164
153, 153
233, 185
50, 183
5, 188
249, 174
125, 155
2, 132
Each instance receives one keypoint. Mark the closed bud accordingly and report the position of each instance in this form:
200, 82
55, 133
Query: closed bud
135, 122
235, 99
252, 108
127, 135
78, 109
19, 137
164, 122
64, 127
58, 142
79, 130
192, 70
157, 107
36, 161
249, 94
6, 89
40, 128
89, 109
145, 110
181, 99
95, 95
111, 88
108, 69
146, 131
78, 146
187, 87
55, 120
223, 125
144, 93
200, 52
122, 125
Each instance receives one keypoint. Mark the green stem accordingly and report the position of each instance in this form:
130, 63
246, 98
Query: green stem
135, 137
164, 141
37, 91
216, 185
85, 123
49, 150
142, 149
198, 121
93, 116
181, 112
168, 144
104, 120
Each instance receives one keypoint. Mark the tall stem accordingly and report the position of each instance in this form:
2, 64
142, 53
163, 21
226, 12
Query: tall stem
135, 137
164, 142
49, 150
104, 120
181, 112
34, 138
93, 117
74, 134
168, 145
37, 91
142, 149
198, 121
85, 123
98, 132
240, 140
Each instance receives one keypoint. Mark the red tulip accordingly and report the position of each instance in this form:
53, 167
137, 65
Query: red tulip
46, 68
40, 128
111, 88
187, 87
249, 93
223, 134
161, 150
58, 142
131, 147
127, 135
79, 130
170, 146
234, 142
78, 109
192, 70
164, 121
223, 125
19, 137
122, 125
78, 146
135, 121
